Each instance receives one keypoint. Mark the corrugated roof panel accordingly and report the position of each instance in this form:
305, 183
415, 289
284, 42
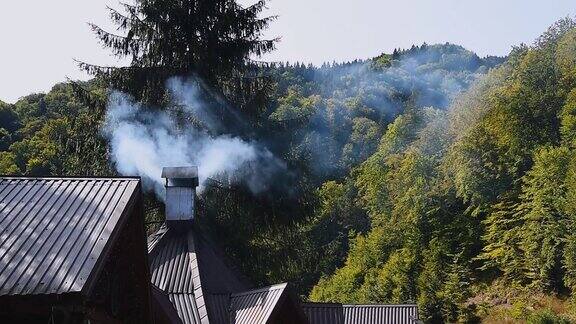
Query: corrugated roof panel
53, 230
255, 306
170, 267
174, 268
323, 313
154, 238
185, 305
385, 314
186, 262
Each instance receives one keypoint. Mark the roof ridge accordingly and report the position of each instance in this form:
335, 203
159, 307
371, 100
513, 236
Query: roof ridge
259, 290
332, 304
196, 276
379, 305
71, 177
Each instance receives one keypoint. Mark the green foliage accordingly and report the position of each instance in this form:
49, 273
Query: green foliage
363, 141
9, 124
543, 209
484, 192
431, 281
7, 164
546, 317
394, 281
396, 192
383, 60
568, 120
502, 249
54, 133
366, 252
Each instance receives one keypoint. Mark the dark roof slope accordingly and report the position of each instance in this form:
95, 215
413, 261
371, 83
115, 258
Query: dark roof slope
324, 313
193, 274
174, 270
53, 231
320, 313
255, 306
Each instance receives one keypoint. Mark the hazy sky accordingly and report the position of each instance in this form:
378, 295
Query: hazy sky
39, 39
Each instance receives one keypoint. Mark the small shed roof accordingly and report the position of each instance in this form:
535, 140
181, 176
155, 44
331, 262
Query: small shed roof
54, 231
334, 313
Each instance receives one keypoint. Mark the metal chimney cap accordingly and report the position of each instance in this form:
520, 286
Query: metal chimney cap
189, 172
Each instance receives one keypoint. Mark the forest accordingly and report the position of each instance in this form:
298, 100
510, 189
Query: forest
428, 175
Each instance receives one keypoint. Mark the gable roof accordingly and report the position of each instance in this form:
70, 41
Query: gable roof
190, 270
203, 289
174, 270
334, 313
255, 306
55, 231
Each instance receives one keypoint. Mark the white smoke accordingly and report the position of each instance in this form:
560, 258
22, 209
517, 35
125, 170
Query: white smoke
143, 140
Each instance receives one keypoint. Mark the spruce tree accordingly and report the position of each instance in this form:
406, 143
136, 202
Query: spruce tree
212, 39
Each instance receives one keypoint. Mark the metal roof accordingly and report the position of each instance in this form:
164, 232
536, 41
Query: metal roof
165, 306
185, 305
323, 313
170, 264
188, 268
180, 172
173, 269
255, 306
203, 289
53, 231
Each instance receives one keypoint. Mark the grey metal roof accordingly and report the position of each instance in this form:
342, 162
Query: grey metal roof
174, 269
170, 266
154, 238
255, 306
324, 313
185, 305
53, 231
369, 314
192, 272
188, 268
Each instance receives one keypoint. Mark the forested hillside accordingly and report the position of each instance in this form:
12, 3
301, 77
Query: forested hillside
472, 208
428, 175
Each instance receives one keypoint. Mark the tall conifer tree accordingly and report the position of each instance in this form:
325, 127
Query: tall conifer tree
213, 39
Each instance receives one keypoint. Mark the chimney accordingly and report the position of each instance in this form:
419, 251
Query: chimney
181, 183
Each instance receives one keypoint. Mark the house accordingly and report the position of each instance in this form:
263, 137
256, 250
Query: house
204, 287
73, 250
195, 275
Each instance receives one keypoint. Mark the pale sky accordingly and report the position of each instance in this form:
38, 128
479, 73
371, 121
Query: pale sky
39, 39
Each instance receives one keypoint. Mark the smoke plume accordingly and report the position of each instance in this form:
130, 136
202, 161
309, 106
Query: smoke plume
143, 140
341, 111
354, 102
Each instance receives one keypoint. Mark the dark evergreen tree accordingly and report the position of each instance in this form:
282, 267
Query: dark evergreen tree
213, 39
